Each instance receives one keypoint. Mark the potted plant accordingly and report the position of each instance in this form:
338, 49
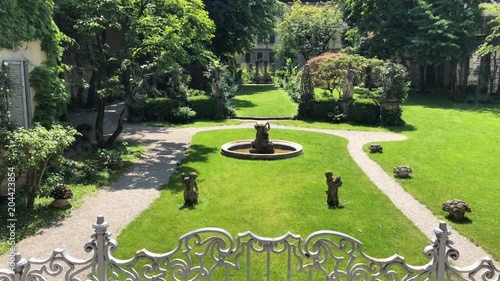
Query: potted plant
395, 85
61, 194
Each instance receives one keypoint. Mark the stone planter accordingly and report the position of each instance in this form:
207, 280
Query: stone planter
60, 203
457, 209
375, 148
402, 172
391, 104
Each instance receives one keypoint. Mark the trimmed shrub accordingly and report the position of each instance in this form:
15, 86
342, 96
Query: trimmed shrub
159, 109
182, 115
323, 109
204, 106
391, 117
364, 111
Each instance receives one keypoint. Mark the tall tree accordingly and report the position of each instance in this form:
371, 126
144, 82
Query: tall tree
308, 29
490, 48
239, 22
447, 31
380, 28
162, 36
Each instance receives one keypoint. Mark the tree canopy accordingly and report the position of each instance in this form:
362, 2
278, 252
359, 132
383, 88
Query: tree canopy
308, 29
422, 30
239, 22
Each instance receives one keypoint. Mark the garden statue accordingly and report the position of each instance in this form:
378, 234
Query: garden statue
261, 144
402, 171
190, 188
456, 208
374, 148
332, 198
348, 84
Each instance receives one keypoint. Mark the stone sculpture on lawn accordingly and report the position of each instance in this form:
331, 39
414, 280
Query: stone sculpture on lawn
190, 188
333, 184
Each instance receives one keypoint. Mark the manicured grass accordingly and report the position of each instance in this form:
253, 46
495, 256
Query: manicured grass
263, 101
327, 125
196, 124
42, 215
454, 151
273, 197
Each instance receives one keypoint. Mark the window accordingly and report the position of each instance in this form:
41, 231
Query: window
247, 58
271, 57
272, 39
259, 56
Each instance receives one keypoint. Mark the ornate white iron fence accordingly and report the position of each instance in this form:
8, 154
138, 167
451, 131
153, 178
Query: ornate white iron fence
213, 254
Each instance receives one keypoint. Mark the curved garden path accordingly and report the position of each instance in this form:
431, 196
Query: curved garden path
125, 199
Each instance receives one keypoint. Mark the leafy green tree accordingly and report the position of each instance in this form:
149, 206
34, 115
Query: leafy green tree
490, 47
239, 22
328, 70
490, 44
32, 151
380, 29
447, 30
308, 29
159, 36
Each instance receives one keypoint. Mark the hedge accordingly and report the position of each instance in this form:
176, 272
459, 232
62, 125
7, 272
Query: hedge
364, 111
159, 109
204, 106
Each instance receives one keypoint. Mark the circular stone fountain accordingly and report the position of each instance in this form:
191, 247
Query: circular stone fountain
261, 148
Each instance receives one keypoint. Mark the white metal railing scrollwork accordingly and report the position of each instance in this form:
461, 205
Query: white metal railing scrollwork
213, 254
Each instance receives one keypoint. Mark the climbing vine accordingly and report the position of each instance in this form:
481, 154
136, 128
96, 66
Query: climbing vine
51, 94
24, 21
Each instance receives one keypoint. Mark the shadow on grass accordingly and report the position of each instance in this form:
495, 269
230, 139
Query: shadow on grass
187, 206
400, 129
465, 220
197, 153
32, 219
256, 89
237, 104
439, 98
336, 207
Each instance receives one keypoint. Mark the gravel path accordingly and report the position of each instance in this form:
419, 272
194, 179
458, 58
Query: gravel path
166, 147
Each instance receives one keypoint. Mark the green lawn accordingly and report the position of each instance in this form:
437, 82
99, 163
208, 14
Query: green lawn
454, 152
263, 101
273, 197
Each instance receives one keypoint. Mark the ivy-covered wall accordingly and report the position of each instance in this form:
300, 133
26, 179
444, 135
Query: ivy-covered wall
29, 24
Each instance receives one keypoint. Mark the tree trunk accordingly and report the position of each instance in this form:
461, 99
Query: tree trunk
421, 84
483, 76
99, 123
368, 78
463, 74
453, 74
124, 113
92, 89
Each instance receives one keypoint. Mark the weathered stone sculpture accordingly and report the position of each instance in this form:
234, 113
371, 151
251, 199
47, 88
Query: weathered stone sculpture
190, 188
333, 184
307, 93
375, 148
261, 144
456, 208
348, 84
402, 172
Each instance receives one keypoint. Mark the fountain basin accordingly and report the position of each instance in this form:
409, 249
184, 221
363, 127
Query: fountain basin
240, 150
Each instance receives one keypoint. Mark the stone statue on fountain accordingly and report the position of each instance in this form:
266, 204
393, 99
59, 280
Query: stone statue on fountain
261, 144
